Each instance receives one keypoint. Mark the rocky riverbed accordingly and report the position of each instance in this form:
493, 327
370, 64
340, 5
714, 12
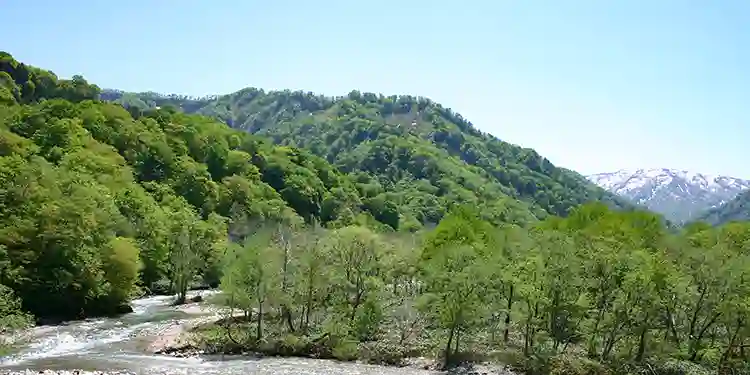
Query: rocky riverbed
130, 345
289, 367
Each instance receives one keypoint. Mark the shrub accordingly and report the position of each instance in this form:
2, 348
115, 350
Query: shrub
293, 345
572, 365
675, 367
346, 350
382, 353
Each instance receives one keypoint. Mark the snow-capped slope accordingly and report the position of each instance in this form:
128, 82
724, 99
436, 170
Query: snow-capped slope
678, 195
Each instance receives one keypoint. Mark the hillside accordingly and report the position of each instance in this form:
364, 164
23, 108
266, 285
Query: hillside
139, 183
394, 140
94, 201
679, 195
99, 204
737, 209
110, 196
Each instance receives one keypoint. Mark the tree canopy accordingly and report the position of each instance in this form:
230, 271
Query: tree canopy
97, 202
407, 150
345, 223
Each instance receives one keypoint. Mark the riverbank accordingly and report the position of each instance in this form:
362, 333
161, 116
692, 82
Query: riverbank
121, 346
204, 338
278, 366
200, 337
159, 338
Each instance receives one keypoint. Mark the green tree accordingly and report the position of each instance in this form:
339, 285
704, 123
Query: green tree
121, 269
251, 277
356, 254
12, 317
454, 273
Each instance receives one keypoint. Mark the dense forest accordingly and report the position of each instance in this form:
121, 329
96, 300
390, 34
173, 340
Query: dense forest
402, 232
597, 292
96, 204
100, 202
411, 146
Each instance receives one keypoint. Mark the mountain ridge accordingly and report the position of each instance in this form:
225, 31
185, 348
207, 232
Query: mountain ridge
737, 209
127, 198
346, 129
678, 194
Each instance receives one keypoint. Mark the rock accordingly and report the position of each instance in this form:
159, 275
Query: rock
197, 298
421, 363
124, 309
170, 339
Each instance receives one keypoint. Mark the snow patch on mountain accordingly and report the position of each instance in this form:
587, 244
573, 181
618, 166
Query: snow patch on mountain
677, 194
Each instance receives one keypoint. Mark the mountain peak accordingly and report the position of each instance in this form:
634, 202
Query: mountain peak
677, 194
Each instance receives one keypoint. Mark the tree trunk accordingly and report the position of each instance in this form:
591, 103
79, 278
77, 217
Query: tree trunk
447, 350
288, 316
642, 341
308, 300
458, 339
285, 310
695, 342
259, 328
732, 340
355, 305
181, 293
506, 331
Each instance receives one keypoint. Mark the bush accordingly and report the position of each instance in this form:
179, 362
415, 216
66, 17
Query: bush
571, 365
382, 353
674, 367
735, 367
293, 345
346, 350
160, 288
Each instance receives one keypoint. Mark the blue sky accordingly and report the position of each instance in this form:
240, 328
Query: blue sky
594, 85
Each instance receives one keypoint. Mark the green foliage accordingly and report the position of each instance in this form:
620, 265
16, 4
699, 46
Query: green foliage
598, 292
412, 158
96, 204
121, 268
12, 318
29, 84
346, 350
569, 365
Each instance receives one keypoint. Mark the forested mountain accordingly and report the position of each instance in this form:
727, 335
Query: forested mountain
408, 145
98, 203
681, 196
737, 209
93, 200
154, 178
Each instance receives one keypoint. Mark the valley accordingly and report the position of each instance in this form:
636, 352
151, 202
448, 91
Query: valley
363, 228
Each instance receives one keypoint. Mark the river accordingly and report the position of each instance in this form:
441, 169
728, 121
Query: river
117, 345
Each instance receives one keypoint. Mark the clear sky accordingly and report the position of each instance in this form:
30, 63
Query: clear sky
594, 85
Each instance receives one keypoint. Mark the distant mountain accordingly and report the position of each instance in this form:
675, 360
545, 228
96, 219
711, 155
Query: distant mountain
679, 195
737, 209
